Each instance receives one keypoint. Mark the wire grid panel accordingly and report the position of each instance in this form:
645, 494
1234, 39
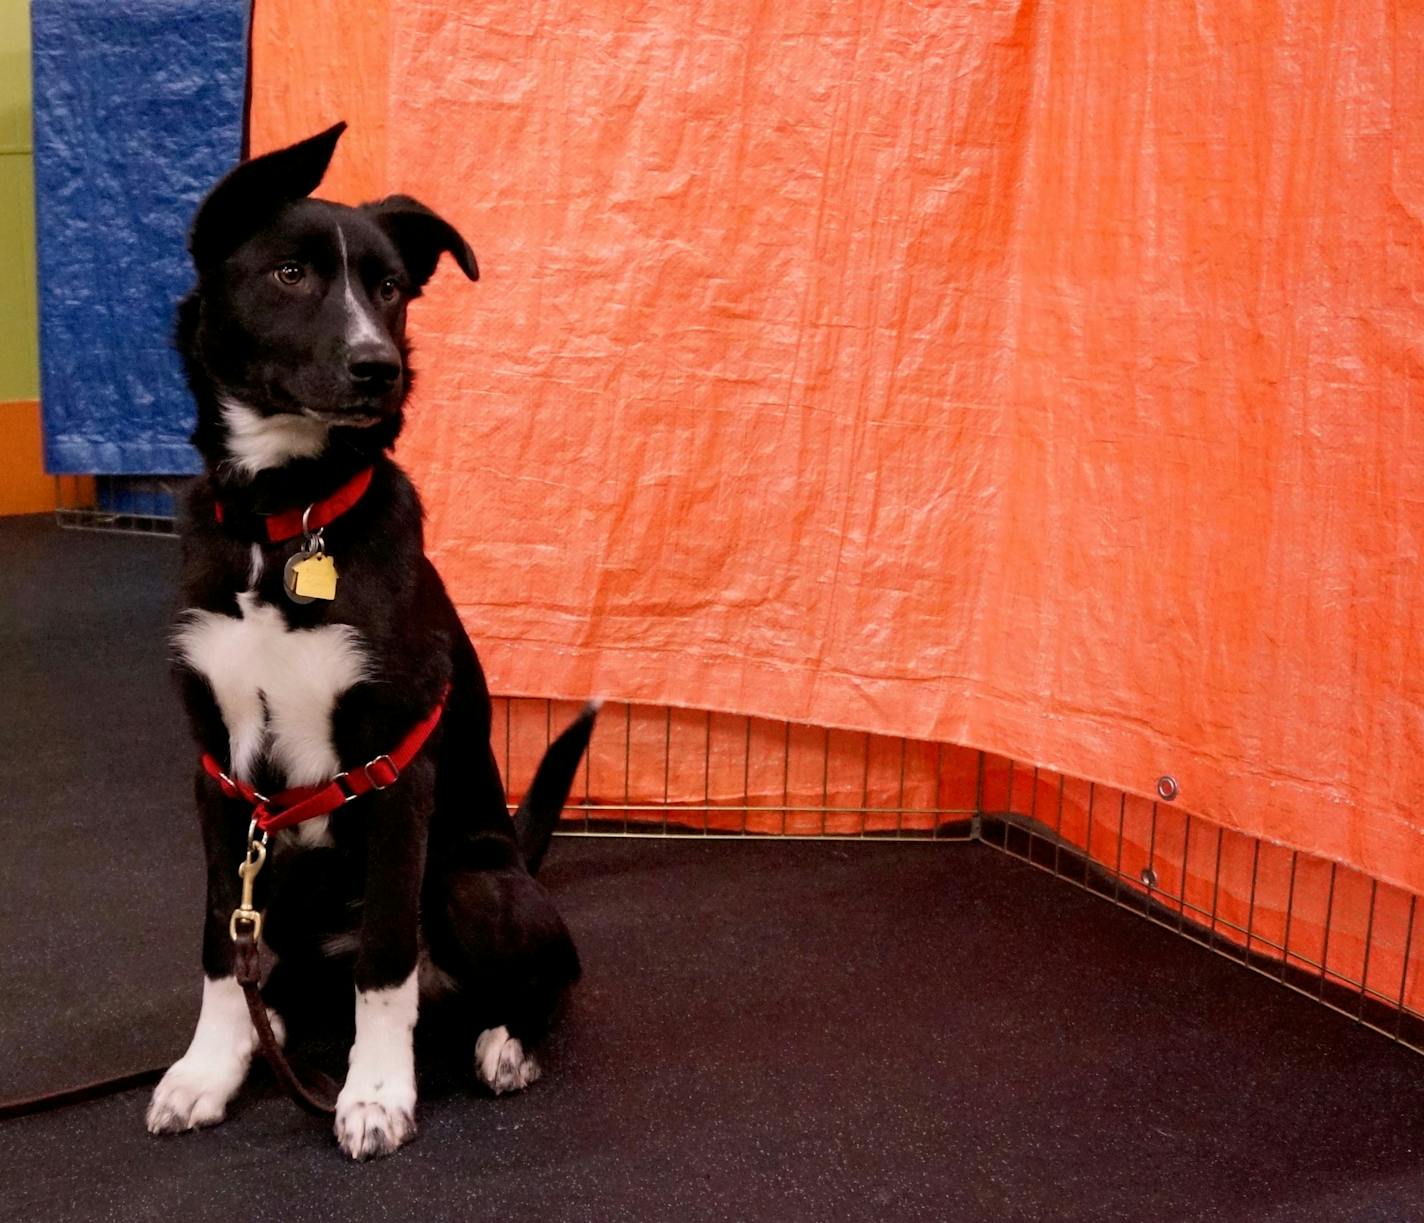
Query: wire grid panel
1314, 926
1324, 930
657, 770
125, 505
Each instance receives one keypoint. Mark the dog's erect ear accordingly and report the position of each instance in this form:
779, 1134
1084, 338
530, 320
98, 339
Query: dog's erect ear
421, 236
248, 196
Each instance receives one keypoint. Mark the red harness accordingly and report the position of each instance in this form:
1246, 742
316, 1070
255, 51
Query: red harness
291, 523
307, 802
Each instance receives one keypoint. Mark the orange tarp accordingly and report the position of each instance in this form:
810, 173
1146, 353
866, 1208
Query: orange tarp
1032, 377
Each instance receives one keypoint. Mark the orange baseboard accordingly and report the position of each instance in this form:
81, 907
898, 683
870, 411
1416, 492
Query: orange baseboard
24, 486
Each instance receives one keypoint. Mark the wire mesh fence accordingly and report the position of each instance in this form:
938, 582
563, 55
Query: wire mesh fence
128, 505
665, 771
1324, 930
1334, 934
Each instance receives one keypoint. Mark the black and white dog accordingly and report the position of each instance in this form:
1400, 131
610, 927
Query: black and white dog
357, 680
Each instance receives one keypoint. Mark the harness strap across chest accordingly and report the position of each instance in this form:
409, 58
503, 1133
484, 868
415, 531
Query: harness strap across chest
307, 802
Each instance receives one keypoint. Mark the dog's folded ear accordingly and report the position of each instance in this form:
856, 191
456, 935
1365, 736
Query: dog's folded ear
252, 193
421, 237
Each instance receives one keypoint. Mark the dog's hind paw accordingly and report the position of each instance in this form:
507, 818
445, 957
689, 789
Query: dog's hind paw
368, 1128
193, 1094
501, 1062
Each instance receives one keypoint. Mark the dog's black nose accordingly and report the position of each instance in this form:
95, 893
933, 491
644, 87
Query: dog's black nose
373, 367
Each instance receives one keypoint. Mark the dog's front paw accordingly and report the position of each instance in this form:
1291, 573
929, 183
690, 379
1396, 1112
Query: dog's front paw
500, 1060
375, 1122
194, 1092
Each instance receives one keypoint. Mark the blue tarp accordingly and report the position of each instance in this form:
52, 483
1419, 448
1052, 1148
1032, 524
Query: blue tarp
138, 109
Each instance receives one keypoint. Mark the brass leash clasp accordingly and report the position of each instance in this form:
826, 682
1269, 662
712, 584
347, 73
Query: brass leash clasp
245, 914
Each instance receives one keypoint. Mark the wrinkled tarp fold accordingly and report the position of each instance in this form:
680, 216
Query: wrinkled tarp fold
1040, 378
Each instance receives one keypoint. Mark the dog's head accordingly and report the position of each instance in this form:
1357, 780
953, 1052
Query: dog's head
297, 324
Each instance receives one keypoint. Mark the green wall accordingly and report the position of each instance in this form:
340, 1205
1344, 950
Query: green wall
19, 346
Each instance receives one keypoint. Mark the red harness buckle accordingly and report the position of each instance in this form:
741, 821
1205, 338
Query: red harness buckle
386, 768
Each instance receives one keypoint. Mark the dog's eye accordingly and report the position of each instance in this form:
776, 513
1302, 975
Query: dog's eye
289, 273
390, 289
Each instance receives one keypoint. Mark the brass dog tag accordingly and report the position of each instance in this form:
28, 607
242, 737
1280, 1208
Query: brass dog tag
310, 576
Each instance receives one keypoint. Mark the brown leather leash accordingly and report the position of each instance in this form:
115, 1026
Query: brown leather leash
24, 1106
319, 1098
245, 926
282, 811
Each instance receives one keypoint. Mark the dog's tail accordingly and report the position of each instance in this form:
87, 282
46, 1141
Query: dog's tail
539, 812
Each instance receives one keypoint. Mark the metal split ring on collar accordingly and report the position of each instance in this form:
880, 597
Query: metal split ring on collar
312, 541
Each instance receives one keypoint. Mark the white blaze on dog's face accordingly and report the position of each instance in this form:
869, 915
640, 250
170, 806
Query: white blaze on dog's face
297, 325
308, 318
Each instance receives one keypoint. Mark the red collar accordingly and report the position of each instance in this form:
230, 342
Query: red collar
306, 802
291, 523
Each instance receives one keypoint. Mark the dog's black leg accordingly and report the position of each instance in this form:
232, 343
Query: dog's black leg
197, 1088
375, 1112
496, 932
504, 1049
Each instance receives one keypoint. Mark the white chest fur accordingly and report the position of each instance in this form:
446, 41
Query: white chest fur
276, 688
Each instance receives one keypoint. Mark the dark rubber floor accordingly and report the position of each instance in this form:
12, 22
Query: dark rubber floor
765, 1031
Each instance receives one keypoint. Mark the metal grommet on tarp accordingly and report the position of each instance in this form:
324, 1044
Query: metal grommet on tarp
1167, 788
